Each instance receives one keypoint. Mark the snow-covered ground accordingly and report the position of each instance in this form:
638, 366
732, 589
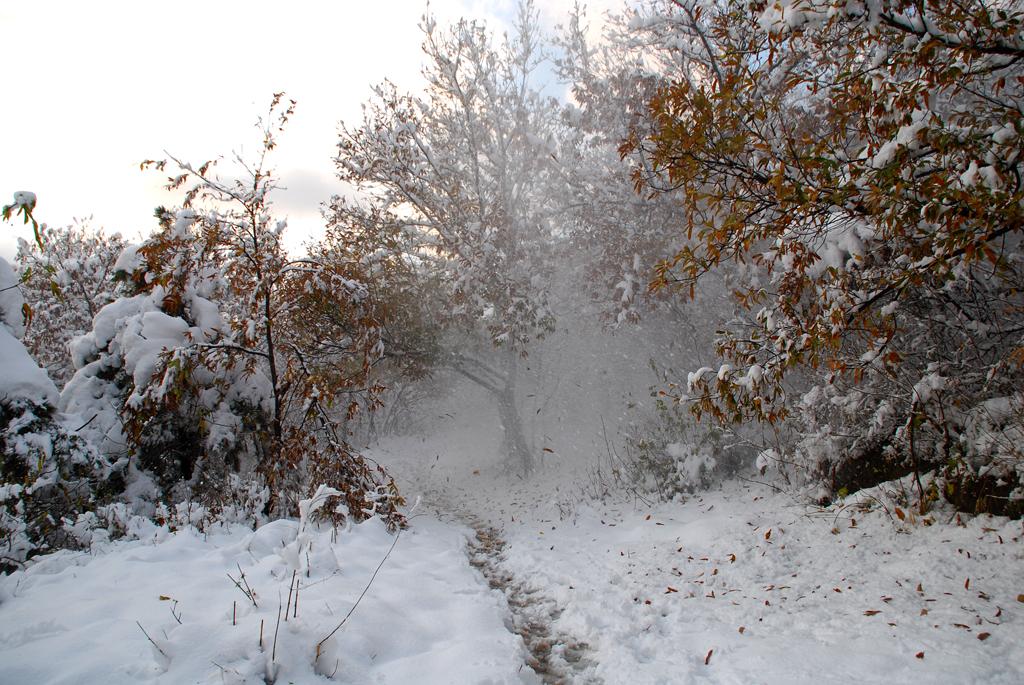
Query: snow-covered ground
738, 585
427, 617
742, 584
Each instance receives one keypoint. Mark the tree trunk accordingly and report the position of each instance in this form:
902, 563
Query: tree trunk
516, 447
502, 387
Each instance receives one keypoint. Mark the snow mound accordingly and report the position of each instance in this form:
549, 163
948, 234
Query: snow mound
11, 301
20, 377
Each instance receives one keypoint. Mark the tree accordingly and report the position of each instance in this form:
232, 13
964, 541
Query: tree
255, 353
68, 280
621, 233
861, 164
401, 288
466, 175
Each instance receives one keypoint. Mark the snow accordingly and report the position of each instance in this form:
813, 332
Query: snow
11, 301
129, 260
25, 198
427, 617
723, 587
656, 595
20, 377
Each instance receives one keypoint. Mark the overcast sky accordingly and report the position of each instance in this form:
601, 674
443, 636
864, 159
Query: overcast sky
93, 88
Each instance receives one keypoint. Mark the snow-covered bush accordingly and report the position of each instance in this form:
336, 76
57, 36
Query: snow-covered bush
48, 473
149, 386
671, 454
227, 364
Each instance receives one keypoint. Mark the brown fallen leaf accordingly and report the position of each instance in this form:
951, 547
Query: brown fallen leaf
732, 558
984, 636
967, 584
920, 655
669, 589
1020, 598
768, 534
872, 612
924, 612
920, 589
742, 629
707, 659
900, 515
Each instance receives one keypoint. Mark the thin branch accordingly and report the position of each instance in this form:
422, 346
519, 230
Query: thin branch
320, 644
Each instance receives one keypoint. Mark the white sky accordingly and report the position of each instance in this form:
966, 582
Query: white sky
93, 88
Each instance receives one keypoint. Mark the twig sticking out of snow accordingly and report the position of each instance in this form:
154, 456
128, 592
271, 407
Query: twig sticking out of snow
277, 628
247, 591
320, 644
151, 640
291, 588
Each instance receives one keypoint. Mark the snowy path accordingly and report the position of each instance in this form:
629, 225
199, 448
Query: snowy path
555, 656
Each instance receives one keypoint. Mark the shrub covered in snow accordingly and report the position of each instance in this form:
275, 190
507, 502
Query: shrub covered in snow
147, 385
48, 474
671, 454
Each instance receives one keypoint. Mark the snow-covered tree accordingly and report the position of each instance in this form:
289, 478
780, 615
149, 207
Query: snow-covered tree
468, 172
620, 233
860, 163
68, 279
226, 355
